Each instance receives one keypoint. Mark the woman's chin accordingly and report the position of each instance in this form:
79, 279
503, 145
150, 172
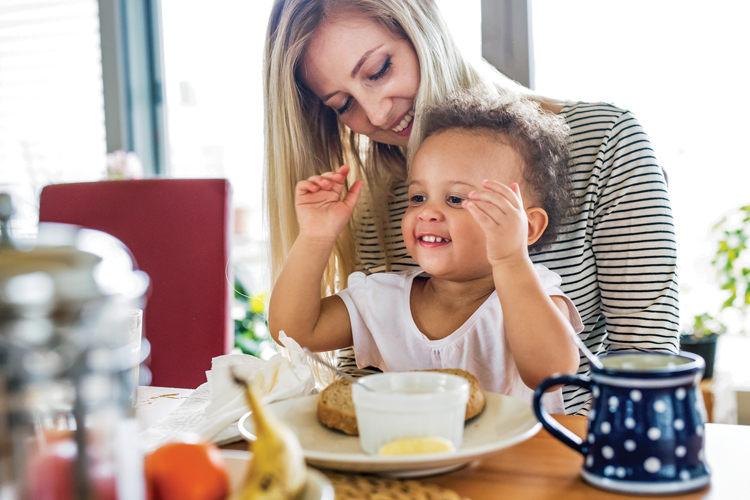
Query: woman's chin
390, 138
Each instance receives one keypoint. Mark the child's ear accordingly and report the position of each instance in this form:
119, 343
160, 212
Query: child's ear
538, 221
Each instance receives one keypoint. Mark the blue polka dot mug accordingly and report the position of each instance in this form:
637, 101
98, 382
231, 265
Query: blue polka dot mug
645, 425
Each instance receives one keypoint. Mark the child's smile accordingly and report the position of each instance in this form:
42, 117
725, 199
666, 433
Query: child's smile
432, 241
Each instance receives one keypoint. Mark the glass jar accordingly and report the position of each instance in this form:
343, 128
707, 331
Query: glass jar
67, 344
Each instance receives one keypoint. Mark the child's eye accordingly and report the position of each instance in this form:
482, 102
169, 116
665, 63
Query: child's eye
418, 198
383, 70
455, 200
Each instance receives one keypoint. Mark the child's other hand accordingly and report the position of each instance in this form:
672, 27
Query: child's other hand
499, 212
321, 212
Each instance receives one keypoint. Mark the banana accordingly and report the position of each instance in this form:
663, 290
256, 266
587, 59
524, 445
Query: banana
277, 469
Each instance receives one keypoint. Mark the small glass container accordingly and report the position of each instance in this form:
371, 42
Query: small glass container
403, 405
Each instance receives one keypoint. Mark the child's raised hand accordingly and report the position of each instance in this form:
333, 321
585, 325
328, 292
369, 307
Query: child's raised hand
321, 212
499, 212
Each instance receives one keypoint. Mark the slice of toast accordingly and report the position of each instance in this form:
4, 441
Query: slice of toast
336, 407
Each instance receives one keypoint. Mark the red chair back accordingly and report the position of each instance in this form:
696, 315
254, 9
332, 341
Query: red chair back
178, 232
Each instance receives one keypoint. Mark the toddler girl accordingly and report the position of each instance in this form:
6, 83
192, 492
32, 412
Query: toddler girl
477, 301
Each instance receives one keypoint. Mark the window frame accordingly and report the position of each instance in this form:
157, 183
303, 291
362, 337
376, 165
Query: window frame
132, 73
507, 41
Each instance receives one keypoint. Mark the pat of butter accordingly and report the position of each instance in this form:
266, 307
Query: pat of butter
414, 446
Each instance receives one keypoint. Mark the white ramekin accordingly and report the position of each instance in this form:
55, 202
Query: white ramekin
410, 405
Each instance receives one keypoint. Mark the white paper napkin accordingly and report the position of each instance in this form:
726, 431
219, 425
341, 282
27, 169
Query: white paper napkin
212, 410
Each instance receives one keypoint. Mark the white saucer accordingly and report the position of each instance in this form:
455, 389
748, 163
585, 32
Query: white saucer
505, 421
237, 462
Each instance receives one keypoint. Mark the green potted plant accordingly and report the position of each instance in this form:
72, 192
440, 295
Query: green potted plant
251, 333
732, 265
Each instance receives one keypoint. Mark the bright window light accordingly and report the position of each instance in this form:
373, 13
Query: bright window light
51, 100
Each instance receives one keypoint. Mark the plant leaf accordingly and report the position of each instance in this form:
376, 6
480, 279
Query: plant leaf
729, 301
730, 285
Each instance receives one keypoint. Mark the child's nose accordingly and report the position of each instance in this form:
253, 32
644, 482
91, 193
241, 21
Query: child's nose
430, 213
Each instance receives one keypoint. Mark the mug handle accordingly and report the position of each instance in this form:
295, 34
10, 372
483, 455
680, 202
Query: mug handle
550, 424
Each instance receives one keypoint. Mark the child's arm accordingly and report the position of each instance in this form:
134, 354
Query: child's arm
296, 306
537, 326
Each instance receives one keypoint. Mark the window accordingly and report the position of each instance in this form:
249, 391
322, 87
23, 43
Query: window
51, 103
213, 67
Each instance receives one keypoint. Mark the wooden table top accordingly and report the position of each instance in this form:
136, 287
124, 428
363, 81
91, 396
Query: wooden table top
541, 467
544, 468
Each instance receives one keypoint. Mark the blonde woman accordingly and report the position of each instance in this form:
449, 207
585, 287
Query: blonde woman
346, 82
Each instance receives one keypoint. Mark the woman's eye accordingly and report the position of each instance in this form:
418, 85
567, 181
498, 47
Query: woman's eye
343, 109
382, 71
417, 198
455, 200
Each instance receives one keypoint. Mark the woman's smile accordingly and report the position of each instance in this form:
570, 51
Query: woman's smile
403, 128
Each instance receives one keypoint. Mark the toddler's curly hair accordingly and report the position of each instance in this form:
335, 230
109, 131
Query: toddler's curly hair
539, 137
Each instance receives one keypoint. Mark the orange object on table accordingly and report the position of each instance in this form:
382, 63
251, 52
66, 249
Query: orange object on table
186, 471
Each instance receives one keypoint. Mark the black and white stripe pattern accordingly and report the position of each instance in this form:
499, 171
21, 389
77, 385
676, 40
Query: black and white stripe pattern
616, 255
371, 256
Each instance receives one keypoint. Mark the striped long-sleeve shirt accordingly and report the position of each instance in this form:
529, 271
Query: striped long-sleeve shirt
616, 254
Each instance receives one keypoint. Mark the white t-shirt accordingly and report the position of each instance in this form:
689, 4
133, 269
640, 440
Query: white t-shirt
386, 336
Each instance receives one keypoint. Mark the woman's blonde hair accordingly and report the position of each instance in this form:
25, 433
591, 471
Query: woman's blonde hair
305, 137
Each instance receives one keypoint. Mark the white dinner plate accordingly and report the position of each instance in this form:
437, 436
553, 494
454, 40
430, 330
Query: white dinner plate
237, 462
505, 421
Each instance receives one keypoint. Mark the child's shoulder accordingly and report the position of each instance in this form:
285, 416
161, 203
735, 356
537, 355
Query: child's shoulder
360, 279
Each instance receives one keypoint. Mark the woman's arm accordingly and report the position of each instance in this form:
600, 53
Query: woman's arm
296, 306
633, 244
616, 252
